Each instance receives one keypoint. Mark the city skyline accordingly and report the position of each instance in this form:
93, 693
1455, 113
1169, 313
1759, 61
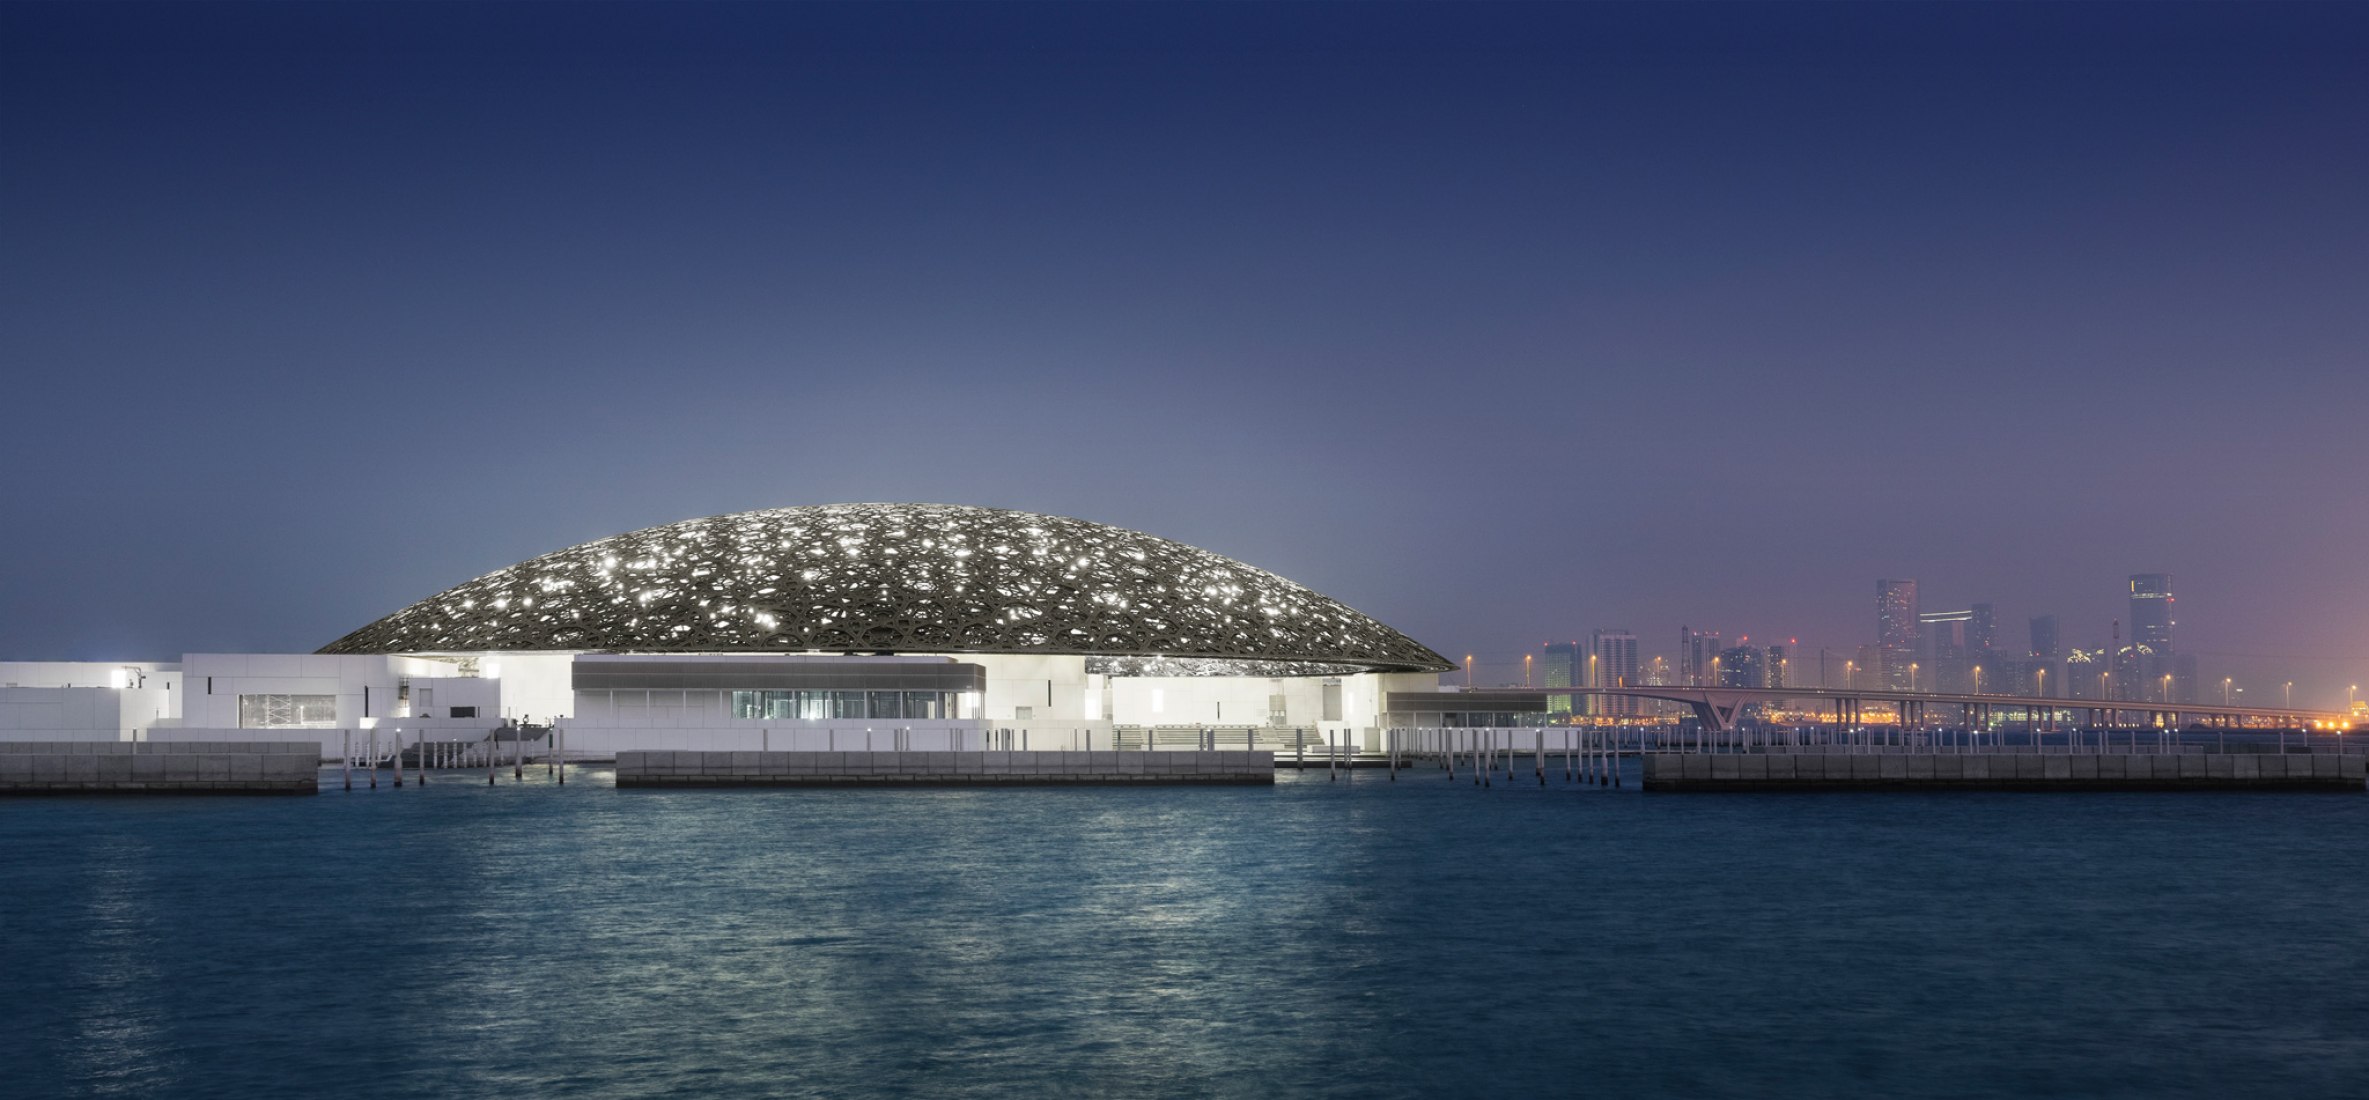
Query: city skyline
326, 308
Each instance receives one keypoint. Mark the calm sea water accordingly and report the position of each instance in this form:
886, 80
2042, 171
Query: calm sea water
1422, 938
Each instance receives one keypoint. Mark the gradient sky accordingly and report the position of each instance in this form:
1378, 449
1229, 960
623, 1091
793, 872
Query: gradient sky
1500, 323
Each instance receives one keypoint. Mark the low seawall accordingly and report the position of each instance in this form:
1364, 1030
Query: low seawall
2003, 771
669, 768
154, 767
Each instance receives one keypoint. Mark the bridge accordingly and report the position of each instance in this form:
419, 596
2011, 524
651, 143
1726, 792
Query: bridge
1719, 707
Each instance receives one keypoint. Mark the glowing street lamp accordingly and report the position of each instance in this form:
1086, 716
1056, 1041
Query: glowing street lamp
1978, 679
2290, 693
2043, 683
2224, 691
1468, 672
2167, 687
1851, 674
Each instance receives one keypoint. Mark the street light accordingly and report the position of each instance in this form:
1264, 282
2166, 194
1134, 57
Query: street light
2290, 693
1468, 672
2167, 687
1850, 674
2224, 691
1978, 679
2043, 683
1912, 676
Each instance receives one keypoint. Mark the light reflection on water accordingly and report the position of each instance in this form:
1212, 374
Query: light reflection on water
1421, 938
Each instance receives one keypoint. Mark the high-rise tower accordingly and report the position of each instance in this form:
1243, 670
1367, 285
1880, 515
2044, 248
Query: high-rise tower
1614, 665
2151, 611
1896, 629
2044, 643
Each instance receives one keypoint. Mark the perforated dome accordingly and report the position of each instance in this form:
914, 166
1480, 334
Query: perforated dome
894, 578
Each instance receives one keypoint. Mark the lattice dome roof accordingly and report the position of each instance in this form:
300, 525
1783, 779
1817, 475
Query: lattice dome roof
894, 578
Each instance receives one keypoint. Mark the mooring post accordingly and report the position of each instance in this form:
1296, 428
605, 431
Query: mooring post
398, 734
345, 759
562, 735
373, 759
419, 746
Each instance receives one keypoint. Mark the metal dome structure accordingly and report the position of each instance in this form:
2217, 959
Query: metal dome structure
901, 578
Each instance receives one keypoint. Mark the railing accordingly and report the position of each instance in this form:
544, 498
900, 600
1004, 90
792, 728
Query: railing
1428, 741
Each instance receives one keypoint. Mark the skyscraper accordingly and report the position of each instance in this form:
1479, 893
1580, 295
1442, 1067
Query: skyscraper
1982, 629
1561, 669
1742, 667
1895, 630
1696, 648
2044, 644
1948, 653
1615, 665
2151, 611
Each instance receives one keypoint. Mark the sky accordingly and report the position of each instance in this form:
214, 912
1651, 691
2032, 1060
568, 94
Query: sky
1500, 323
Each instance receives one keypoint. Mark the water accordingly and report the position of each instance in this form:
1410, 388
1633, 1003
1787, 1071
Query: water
1422, 938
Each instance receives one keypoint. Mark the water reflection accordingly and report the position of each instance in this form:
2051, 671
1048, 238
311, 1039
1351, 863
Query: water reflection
1412, 939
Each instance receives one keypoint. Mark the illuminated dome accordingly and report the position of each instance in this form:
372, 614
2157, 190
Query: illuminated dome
901, 578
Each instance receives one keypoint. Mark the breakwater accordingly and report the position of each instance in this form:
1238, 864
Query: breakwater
2003, 771
663, 768
159, 767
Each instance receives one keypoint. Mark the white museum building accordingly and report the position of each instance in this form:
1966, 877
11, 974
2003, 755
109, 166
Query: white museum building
915, 626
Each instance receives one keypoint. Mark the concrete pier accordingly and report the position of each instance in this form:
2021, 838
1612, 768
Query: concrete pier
658, 768
2004, 771
151, 767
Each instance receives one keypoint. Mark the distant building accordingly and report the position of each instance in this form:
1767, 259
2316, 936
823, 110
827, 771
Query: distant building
2151, 611
1560, 669
1982, 629
1868, 670
1948, 651
1696, 648
1615, 665
1895, 632
2084, 675
2044, 638
1741, 667
1776, 666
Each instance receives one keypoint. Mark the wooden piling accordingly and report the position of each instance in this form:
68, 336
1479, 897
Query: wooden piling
345, 759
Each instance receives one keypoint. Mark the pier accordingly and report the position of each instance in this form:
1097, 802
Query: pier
152, 767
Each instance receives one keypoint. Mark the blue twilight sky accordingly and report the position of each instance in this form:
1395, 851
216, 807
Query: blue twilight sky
1500, 323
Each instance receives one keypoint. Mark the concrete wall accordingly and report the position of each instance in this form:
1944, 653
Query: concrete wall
856, 769
84, 767
587, 740
2003, 771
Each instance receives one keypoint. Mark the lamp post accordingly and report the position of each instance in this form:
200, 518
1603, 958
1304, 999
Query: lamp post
2043, 683
2167, 687
1468, 672
1978, 679
1850, 674
2290, 693
2224, 691
1912, 676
